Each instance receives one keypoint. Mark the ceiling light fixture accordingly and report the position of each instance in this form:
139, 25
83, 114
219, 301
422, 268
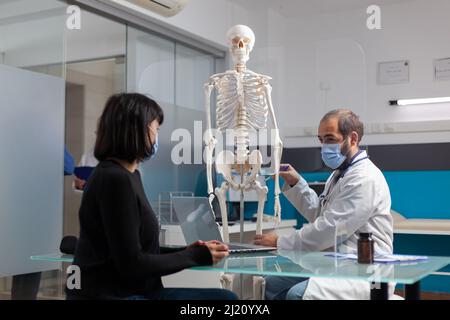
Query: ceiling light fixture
409, 102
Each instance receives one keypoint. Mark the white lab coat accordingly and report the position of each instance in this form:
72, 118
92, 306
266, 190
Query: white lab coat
359, 202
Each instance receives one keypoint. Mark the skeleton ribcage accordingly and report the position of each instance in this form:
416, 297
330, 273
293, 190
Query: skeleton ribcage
241, 102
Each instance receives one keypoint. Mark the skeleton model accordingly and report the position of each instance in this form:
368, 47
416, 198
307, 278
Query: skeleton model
243, 105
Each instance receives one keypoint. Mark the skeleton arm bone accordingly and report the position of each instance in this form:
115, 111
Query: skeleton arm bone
278, 148
210, 141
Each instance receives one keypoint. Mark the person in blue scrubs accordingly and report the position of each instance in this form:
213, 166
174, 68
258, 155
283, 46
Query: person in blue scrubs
69, 163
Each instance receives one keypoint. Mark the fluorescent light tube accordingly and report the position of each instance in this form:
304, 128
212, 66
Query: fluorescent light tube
408, 102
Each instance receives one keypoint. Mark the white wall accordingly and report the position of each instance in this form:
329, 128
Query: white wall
418, 31
300, 50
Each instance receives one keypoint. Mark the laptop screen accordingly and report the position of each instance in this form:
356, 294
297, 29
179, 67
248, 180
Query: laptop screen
196, 219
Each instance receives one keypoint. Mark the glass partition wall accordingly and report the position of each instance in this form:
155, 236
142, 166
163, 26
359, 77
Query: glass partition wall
102, 58
174, 75
32, 142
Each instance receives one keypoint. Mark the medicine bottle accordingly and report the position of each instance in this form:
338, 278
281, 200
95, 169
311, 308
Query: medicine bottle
365, 248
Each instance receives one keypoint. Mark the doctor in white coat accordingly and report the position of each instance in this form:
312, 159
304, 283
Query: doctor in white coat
356, 198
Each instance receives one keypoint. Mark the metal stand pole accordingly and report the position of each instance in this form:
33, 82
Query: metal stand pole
412, 291
241, 233
381, 293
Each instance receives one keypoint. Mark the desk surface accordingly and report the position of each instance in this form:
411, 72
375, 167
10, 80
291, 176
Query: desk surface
312, 264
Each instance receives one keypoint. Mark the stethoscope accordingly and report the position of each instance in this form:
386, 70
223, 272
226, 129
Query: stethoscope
323, 198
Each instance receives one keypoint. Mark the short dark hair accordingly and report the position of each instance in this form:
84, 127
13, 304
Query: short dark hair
122, 131
347, 122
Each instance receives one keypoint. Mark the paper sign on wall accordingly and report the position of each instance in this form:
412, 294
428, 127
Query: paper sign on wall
393, 72
442, 69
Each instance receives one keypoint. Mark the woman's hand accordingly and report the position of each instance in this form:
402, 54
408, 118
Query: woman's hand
217, 249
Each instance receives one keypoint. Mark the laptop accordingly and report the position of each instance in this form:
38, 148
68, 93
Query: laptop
197, 222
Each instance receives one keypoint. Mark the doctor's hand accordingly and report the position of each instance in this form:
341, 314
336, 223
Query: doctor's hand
266, 240
218, 250
289, 174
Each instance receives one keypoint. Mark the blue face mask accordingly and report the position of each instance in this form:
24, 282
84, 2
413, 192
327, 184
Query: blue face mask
155, 148
332, 156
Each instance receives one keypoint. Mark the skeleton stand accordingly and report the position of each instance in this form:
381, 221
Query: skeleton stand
244, 104
241, 233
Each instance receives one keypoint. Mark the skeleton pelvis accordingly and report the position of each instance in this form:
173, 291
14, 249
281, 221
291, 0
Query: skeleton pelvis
226, 165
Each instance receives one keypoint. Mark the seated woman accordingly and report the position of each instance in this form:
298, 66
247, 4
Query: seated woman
118, 251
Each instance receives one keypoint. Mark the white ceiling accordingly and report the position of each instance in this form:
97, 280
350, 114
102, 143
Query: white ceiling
39, 22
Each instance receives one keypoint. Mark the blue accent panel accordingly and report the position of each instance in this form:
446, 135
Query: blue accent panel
433, 283
316, 177
250, 209
420, 194
201, 186
430, 245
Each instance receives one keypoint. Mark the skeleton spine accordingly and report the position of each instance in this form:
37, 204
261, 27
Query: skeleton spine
242, 136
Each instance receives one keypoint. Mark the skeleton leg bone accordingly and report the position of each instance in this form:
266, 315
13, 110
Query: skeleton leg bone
221, 194
262, 195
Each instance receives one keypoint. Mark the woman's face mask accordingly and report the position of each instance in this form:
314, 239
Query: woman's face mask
333, 155
155, 145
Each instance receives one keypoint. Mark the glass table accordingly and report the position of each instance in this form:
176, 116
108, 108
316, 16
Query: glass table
320, 265
54, 257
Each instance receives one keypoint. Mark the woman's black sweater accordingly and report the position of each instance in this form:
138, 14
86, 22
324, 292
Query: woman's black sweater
118, 251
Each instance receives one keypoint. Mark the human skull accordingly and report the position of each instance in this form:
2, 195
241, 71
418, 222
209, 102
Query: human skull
241, 40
